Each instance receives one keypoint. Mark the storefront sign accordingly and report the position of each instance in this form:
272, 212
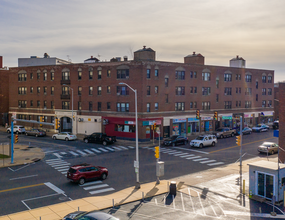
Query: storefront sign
227, 117
266, 113
206, 118
146, 123
179, 120
193, 120
130, 122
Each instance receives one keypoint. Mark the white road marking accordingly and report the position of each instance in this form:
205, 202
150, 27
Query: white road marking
102, 190
198, 151
175, 152
58, 165
201, 159
53, 159
88, 151
176, 155
91, 183
62, 167
111, 149
208, 161
23, 201
95, 187
117, 148
189, 158
213, 164
55, 162
73, 153
191, 200
123, 147
102, 149
23, 177
54, 188
131, 147
201, 203
57, 155
189, 155
63, 153
81, 152
95, 150
65, 169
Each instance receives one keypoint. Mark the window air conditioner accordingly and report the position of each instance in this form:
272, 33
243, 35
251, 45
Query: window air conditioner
80, 119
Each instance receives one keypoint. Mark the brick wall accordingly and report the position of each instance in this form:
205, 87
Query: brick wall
282, 122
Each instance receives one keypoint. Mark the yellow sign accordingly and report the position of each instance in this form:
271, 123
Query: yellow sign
89, 119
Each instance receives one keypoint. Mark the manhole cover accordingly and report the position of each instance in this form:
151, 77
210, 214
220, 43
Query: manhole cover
63, 198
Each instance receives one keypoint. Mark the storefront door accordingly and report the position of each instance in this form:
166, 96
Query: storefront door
265, 185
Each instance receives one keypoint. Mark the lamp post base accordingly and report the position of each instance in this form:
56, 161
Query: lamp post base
138, 185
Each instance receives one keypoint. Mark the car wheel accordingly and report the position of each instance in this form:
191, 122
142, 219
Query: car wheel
222, 136
26, 134
214, 143
201, 145
66, 139
272, 152
104, 143
103, 176
81, 181
54, 137
36, 135
232, 134
185, 142
86, 140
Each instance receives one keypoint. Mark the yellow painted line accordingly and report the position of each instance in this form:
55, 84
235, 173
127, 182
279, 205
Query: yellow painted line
23, 187
239, 146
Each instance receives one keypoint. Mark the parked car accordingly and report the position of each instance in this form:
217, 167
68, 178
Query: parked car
99, 138
36, 132
84, 172
64, 136
19, 129
204, 140
175, 140
97, 215
260, 128
246, 130
224, 132
275, 124
268, 147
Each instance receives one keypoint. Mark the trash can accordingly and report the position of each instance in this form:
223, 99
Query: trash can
172, 188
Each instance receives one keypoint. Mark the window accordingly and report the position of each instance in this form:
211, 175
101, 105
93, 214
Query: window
45, 76
65, 105
206, 76
238, 76
31, 76
268, 93
156, 72
156, 106
66, 75
148, 90
38, 104
90, 106
38, 89
166, 82
180, 90
191, 74
122, 90
99, 90
206, 106
193, 90
227, 104
122, 74
122, 107
256, 97
263, 91
90, 73
22, 104
236, 103
125, 128
38, 76
239, 104
148, 107
52, 76
52, 90
52, 104
217, 97
263, 79
79, 75
79, 106
269, 78
45, 104
108, 89
156, 89
256, 84
195, 104
228, 91
31, 103
248, 78
22, 77
191, 105
263, 103
99, 106
108, 105
22, 90
166, 98
45, 90
217, 83
247, 104
31, 89
180, 75
108, 73
269, 103
206, 90
227, 77
195, 74
148, 73
52, 119
65, 90
99, 74
179, 106
90, 90
79, 90
248, 91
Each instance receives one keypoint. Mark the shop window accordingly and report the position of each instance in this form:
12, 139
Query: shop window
125, 128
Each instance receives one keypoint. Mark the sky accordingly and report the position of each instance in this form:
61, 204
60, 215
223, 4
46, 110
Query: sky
76, 30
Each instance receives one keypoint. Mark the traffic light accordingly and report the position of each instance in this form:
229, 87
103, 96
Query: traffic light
154, 126
151, 127
16, 138
156, 152
41, 120
58, 123
238, 140
216, 116
197, 114
55, 123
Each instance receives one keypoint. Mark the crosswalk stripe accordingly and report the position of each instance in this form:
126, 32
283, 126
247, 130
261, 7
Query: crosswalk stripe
55, 162
175, 152
63, 172
102, 149
57, 155
189, 158
189, 155
95, 150
176, 155
63, 153
57, 168
116, 148
88, 151
81, 152
208, 161
95, 187
109, 148
91, 183
61, 164
123, 147
201, 159
73, 153
131, 147
65, 169
57, 159
102, 190
212, 164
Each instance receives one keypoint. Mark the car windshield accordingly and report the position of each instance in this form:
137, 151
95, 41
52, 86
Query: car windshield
219, 129
71, 170
199, 138
174, 137
267, 145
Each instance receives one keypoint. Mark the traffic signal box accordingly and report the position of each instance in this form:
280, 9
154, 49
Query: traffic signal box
58, 123
16, 138
197, 114
41, 120
216, 116
238, 140
154, 126
156, 152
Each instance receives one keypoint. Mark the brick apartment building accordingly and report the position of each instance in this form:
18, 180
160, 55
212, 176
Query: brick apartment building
4, 93
168, 94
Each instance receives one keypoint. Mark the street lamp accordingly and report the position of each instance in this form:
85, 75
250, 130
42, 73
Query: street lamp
72, 107
137, 145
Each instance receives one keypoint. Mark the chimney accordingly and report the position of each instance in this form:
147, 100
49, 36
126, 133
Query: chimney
194, 53
196, 59
1, 62
91, 57
125, 58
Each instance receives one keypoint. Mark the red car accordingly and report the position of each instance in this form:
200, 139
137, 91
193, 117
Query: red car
84, 172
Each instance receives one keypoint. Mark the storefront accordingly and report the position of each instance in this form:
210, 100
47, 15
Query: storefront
122, 128
152, 131
179, 126
227, 120
249, 119
266, 117
193, 125
206, 123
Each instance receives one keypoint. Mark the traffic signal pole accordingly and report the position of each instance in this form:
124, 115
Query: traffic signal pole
12, 141
240, 160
